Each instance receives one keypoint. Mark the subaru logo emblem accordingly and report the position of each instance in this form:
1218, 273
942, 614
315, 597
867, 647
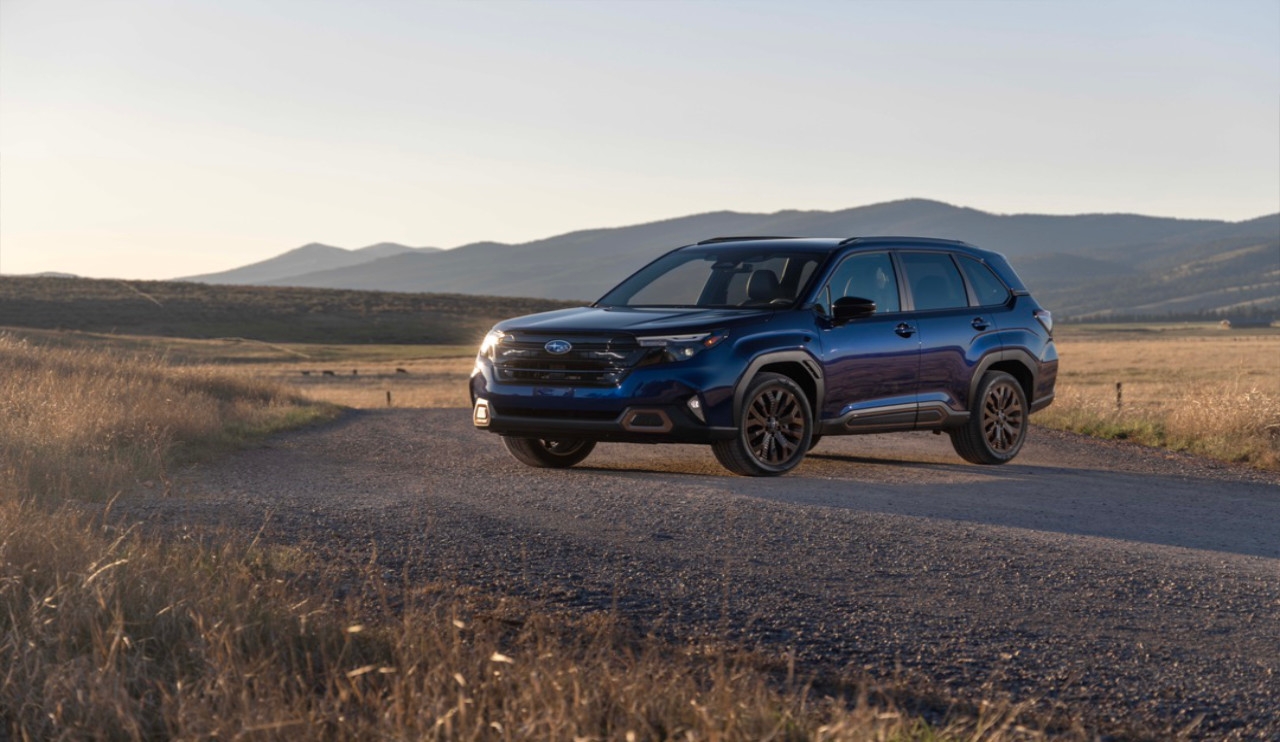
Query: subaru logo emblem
558, 347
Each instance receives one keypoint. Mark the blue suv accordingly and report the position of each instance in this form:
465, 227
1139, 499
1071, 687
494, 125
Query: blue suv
760, 346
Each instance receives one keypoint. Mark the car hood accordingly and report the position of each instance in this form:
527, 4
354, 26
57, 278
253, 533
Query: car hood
636, 321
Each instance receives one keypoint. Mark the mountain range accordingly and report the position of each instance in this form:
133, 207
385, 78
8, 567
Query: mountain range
1083, 266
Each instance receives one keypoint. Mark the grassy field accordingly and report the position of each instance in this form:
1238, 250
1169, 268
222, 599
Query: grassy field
107, 632
1192, 387
91, 421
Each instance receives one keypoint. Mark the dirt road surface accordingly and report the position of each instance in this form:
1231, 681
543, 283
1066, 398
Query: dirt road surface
1120, 583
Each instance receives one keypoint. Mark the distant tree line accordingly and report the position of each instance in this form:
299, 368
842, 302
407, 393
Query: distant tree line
1253, 315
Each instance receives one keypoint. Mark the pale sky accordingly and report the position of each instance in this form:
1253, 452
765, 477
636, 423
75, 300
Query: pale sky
161, 138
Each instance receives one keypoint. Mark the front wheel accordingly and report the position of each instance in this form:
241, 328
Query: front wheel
548, 453
774, 430
997, 424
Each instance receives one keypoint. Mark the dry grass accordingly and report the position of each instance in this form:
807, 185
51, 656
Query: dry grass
95, 421
424, 383
1207, 391
110, 633
435, 376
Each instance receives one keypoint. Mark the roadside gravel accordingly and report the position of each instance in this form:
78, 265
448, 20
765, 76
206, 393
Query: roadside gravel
1125, 585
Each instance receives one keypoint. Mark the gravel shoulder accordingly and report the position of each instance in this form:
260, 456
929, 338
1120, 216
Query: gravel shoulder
1127, 585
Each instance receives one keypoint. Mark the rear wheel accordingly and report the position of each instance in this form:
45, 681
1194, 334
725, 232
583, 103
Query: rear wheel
774, 430
997, 425
552, 453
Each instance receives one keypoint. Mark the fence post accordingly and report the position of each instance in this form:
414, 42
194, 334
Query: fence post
1119, 396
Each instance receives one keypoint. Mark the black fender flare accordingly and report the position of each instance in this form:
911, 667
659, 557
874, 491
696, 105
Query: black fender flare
1017, 355
806, 361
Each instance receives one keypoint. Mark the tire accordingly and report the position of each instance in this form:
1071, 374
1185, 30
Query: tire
548, 453
814, 440
775, 427
997, 425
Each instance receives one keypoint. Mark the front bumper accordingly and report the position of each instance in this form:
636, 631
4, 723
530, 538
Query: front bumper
649, 406
638, 424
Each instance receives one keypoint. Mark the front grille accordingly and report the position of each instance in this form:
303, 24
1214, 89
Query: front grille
592, 361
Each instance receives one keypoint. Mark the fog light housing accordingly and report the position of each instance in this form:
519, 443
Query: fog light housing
695, 406
480, 415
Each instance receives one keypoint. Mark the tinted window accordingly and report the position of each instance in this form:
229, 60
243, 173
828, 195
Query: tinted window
989, 289
718, 277
934, 280
679, 286
868, 276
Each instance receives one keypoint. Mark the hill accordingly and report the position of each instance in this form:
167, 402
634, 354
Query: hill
1232, 270
270, 314
1085, 265
310, 258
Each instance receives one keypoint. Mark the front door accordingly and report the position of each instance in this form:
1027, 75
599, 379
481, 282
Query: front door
870, 363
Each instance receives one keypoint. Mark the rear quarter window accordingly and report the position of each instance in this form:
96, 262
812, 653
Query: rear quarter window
987, 288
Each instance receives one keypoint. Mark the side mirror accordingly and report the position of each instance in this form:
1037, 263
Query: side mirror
851, 308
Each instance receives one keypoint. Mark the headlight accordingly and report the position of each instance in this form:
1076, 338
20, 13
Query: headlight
683, 347
490, 342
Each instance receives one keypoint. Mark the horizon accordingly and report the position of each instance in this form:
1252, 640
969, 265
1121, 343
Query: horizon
138, 143
321, 243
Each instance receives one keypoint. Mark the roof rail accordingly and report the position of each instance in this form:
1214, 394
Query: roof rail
714, 240
890, 238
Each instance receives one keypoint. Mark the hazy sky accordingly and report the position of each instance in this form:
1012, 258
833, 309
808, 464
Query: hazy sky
159, 138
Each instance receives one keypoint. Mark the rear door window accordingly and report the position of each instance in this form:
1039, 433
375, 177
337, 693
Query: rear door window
934, 280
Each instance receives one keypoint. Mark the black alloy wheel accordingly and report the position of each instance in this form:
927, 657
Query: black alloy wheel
997, 425
774, 430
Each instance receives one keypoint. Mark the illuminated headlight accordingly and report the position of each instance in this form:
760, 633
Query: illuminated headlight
490, 342
684, 347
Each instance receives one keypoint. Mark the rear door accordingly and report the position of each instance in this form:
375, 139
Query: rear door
953, 335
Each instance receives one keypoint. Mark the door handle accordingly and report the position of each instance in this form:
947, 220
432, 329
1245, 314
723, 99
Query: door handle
905, 330
980, 324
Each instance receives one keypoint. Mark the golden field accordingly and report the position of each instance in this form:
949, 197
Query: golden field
1195, 388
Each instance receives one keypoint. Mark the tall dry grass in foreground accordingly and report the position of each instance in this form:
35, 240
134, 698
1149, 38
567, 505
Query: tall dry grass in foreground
1209, 392
107, 633
110, 633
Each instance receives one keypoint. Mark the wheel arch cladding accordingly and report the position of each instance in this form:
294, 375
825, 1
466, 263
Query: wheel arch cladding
798, 366
1019, 371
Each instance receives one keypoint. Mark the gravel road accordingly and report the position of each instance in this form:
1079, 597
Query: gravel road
1123, 584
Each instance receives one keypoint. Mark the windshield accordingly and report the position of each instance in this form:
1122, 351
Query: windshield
716, 277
